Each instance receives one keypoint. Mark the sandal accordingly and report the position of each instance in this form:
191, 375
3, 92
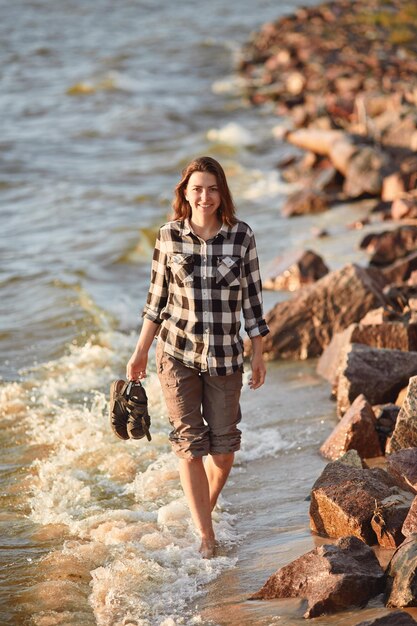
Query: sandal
129, 417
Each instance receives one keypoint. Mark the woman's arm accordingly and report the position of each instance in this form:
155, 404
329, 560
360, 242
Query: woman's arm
136, 367
257, 363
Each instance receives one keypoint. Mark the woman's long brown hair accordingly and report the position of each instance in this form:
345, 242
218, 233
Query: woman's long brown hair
181, 207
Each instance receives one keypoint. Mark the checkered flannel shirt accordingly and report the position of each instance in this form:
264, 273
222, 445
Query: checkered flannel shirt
197, 293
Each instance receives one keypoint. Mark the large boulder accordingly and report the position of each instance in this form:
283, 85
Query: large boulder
355, 431
377, 372
397, 618
365, 172
393, 335
344, 500
399, 271
388, 519
402, 575
304, 325
410, 522
304, 202
390, 245
294, 270
405, 431
403, 465
331, 577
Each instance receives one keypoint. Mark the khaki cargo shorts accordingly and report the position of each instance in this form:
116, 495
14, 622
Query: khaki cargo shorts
203, 410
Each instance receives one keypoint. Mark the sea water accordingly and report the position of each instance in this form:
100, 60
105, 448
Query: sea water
102, 105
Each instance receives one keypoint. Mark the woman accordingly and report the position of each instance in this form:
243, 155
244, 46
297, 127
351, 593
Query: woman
204, 273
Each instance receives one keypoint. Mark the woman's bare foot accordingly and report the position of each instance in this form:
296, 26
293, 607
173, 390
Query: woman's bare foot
207, 548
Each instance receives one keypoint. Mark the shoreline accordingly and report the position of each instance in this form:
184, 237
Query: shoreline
351, 150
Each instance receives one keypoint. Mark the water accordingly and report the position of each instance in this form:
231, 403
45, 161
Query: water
102, 105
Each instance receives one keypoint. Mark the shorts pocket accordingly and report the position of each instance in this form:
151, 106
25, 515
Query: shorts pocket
228, 271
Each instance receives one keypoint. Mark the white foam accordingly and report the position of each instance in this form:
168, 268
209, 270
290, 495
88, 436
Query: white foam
232, 85
232, 134
260, 443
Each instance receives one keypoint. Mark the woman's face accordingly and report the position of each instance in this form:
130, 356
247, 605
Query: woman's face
202, 192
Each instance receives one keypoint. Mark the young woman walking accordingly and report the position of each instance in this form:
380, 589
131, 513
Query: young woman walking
205, 273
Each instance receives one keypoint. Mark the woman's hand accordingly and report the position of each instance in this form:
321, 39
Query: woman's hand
136, 366
258, 372
257, 363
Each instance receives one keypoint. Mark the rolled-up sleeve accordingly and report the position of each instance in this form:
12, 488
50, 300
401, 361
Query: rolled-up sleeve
158, 290
252, 305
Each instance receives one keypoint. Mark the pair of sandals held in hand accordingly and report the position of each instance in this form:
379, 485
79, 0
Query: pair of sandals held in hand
129, 417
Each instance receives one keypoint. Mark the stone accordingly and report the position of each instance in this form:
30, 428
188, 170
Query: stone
364, 173
388, 519
410, 523
390, 245
293, 270
344, 499
304, 325
304, 202
397, 618
405, 431
331, 577
379, 372
393, 186
318, 141
355, 431
401, 588
403, 465
401, 270
386, 416
405, 206
393, 335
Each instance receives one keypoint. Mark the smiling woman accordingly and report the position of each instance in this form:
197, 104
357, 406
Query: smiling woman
204, 273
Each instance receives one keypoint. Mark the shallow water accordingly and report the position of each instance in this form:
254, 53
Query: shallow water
102, 105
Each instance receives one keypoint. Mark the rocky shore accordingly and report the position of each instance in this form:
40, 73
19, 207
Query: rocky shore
343, 78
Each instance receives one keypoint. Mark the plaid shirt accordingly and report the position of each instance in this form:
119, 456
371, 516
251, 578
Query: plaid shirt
198, 290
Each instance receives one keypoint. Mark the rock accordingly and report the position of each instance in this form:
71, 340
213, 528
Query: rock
386, 417
403, 465
393, 335
300, 169
390, 245
393, 186
344, 498
405, 206
376, 316
399, 134
405, 432
401, 270
378, 372
351, 458
410, 523
402, 574
331, 577
356, 431
388, 519
293, 270
317, 141
304, 325
364, 173
341, 152
397, 618
304, 202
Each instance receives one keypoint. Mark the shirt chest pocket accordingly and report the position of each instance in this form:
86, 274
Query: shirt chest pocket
228, 271
182, 267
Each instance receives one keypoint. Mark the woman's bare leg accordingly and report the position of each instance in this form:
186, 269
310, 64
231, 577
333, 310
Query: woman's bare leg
218, 468
196, 488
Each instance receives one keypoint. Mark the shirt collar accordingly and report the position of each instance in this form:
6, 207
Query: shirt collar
224, 229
